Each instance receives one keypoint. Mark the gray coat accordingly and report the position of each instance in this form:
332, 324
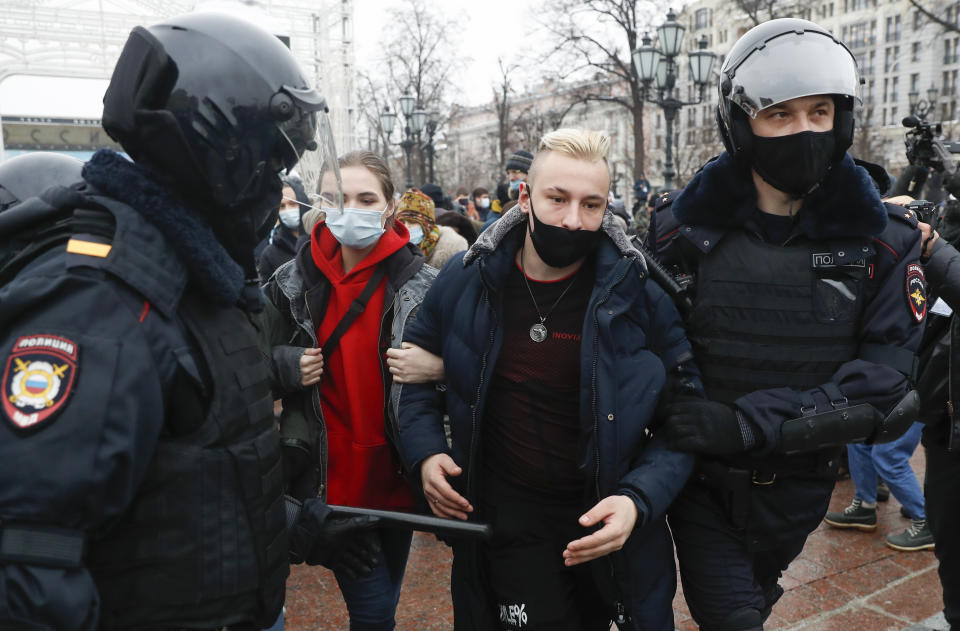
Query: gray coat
288, 329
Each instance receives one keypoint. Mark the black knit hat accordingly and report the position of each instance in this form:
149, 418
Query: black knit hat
520, 161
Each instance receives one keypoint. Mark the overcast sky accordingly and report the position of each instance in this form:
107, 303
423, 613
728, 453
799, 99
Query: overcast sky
486, 29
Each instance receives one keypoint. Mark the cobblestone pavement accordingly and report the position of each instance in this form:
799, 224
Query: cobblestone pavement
843, 580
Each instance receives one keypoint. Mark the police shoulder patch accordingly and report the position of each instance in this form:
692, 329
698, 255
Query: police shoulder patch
38, 377
916, 291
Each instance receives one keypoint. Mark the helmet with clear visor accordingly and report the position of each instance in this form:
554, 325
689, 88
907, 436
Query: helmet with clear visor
779, 60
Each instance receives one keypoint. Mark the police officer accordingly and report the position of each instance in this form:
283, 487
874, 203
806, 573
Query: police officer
808, 305
939, 387
141, 478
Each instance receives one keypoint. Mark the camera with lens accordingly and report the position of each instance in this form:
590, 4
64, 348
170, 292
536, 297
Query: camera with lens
928, 154
927, 212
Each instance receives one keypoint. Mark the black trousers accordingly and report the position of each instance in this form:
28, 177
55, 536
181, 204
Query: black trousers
942, 493
721, 576
523, 563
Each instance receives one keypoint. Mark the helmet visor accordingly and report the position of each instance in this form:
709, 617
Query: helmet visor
329, 195
789, 66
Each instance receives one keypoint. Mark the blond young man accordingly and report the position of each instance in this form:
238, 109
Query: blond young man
555, 350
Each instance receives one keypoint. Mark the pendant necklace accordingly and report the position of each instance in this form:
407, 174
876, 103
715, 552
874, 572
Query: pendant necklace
538, 332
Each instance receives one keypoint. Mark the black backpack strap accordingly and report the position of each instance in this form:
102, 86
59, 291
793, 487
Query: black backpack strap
356, 308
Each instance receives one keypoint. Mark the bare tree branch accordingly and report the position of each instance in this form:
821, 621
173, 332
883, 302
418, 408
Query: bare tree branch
936, 19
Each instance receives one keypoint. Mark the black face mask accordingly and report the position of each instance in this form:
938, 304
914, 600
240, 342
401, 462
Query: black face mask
559, 247
794, 164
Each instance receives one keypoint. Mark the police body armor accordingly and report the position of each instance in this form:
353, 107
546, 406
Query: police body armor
769, 316
204, 540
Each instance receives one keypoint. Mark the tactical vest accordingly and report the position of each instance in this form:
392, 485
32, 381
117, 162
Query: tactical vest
770, 316
204, 542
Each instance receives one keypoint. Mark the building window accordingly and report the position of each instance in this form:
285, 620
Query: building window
884, 117
890, 61
915, 51
894, 85
893, 28
701, 18
917, 20
915, 82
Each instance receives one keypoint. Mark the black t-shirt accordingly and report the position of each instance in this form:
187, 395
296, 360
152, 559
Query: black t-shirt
532, 416
775, 229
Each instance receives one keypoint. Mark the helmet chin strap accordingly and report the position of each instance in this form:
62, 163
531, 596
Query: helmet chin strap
238, 237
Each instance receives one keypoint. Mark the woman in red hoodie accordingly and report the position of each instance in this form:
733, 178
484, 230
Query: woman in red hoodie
339, 419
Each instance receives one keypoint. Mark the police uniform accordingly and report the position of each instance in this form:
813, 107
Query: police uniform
142, 483
782, 331
142, 475
804, 326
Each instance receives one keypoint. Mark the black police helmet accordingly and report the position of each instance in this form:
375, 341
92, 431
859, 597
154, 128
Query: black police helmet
30, 174
779, 60
218, 106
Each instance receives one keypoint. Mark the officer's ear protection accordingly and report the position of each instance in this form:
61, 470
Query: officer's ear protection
843, 124
281, 107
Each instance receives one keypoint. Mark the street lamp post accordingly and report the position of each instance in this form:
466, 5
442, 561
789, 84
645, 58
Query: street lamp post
433, 119
413, 120
921, 107
657, 69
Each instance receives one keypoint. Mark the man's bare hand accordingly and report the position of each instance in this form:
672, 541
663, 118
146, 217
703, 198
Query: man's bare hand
619, 515
443, 500
311, 366
412, 364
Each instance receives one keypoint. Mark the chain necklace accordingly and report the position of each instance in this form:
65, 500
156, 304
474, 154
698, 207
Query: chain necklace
538, 332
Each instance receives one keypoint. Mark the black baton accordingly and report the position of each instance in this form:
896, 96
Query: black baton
423, 523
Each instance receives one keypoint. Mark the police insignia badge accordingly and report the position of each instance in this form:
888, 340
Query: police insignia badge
917, 291
37, 379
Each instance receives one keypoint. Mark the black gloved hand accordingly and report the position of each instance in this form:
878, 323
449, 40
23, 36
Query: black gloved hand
344, 544
702, 426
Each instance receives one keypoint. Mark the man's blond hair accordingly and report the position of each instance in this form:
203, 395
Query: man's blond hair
581, 144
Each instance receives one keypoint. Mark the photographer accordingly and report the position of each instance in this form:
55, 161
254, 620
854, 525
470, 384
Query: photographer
938, 387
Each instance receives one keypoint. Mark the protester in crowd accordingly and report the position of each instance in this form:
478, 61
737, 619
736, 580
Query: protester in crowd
441, 202
619, 212
808, 303
288, 235
555, 348
517, 168
460, 224
335, 387
481, 200
892, 462
437, 243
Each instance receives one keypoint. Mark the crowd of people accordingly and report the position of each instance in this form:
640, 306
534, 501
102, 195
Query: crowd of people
201, 388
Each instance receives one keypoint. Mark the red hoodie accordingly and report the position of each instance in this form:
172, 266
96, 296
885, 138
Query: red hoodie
361, 469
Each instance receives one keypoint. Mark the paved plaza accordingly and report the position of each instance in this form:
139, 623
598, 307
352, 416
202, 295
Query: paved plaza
845, 580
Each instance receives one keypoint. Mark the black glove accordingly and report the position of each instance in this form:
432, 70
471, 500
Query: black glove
705, 427
344, 544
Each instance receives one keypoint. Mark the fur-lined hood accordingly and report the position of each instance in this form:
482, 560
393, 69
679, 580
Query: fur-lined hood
847, 204
490, 238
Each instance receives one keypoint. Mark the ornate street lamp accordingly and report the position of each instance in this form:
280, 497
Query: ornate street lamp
921, 107
657, 69
433, 119
413, 121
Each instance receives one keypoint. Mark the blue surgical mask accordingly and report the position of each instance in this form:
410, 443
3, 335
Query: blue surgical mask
355, 227
483, 202
416, 233
290, 217
515, 185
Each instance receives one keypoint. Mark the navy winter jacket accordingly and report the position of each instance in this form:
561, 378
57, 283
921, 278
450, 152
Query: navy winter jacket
632, 338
